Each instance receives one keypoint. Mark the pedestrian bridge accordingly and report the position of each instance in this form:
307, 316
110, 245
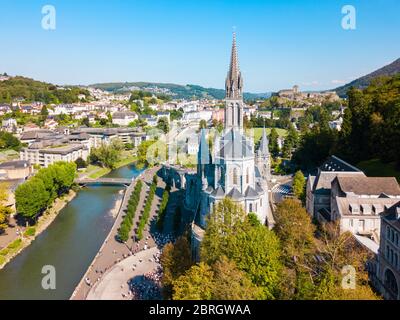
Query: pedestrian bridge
107, 181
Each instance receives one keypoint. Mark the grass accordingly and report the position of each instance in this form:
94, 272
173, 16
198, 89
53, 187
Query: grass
95, 172
2, 260
258, 133
376, 168
11, 248
30, 232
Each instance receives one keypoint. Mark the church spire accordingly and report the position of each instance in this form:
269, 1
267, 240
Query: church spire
234, 81
263, 150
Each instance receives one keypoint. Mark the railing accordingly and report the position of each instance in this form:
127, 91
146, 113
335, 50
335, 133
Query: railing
115, 181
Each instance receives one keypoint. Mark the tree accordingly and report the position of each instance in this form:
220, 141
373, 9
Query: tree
221, 281
107, 155
163, 124
203, 124
175, 260
31, 198
8, 141
273, 142
290, 143
44, 112
314, 147
299, 185
195, 284
230, 283
295, 230
80, 163
254, 249
4, 211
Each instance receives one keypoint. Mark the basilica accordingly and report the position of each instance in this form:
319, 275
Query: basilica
231, 167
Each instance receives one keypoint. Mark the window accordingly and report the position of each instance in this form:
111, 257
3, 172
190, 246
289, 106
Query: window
251, 207
261, 203
235, 176
247, 176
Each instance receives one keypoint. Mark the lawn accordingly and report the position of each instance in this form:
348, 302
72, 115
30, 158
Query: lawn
95, 172
376, 168
258, 133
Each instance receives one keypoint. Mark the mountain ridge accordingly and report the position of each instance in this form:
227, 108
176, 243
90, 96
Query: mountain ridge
363, 82
176, 90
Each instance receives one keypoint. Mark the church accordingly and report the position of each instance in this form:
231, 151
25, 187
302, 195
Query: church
231, 167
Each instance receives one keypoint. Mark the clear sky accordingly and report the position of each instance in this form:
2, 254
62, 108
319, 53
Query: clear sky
280, 43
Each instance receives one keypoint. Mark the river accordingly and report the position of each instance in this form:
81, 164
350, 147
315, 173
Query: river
69, 244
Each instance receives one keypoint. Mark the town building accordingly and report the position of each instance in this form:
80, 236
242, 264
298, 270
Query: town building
357, 202
387, 279
124, 118
15, 170
318, 188
47, 152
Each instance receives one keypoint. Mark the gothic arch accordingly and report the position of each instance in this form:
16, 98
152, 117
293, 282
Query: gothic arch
391, 282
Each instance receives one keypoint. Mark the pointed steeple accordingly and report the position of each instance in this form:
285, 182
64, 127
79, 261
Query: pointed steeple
263, 150
234, 81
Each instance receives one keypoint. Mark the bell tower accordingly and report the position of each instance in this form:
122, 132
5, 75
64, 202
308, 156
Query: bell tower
234, 93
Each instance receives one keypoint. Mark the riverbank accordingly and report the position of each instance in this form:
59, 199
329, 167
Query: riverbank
28, 235
95, 172
112, 251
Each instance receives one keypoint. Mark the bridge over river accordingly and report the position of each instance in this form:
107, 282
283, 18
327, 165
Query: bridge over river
106, 181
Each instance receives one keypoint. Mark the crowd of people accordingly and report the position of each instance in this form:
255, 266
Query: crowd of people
148, 286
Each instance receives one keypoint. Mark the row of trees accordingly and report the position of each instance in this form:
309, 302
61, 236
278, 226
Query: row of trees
144, 219
242, 259
127, 222
36, 194
163, 209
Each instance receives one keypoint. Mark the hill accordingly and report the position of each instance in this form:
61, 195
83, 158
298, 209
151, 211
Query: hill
32, 90
363, 82
175, 90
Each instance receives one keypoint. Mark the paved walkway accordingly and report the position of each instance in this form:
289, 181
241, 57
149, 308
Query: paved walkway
112, 251
114, 284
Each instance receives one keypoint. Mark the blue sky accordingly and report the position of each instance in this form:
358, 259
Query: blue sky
281, 43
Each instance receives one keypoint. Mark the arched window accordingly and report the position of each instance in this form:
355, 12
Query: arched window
251, 207
235, 176
391, 283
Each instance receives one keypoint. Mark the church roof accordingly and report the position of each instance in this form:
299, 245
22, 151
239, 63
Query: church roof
251, 193
236, 146
204, 150
259, 189
235, 194
219, 193
264, 149
257, 172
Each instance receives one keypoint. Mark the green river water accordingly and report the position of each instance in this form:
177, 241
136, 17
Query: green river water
69, 244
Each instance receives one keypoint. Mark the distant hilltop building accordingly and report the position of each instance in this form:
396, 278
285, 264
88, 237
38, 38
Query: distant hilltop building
232, 169
295, 94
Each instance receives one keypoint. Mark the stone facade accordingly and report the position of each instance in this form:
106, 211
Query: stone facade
387, 279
